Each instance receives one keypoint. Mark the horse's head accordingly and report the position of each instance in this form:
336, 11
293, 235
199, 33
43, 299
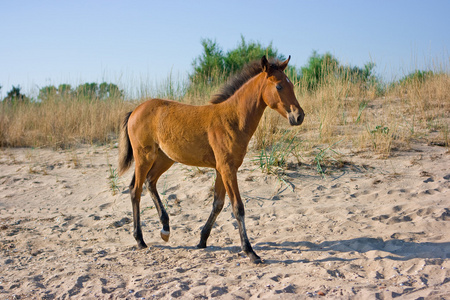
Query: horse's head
279, 94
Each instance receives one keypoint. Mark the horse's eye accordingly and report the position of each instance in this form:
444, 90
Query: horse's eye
279, 87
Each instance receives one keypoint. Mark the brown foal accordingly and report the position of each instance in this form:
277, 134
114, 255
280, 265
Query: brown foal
160, 132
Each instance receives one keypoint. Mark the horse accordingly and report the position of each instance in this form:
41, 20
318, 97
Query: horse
216, 135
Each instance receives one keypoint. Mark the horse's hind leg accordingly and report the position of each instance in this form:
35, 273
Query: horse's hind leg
161, 164
140, 173
219, 200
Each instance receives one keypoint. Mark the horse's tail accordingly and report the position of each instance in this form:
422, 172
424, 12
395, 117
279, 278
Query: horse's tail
125, 149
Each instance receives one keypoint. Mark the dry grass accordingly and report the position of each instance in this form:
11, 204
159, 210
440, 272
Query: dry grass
345, 111
62, 123
338, 110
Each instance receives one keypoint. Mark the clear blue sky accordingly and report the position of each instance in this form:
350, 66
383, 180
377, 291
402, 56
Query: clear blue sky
127, 42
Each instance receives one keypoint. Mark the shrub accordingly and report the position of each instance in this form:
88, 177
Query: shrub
88, 91
214, 66
15, 96
417, 76
317, 69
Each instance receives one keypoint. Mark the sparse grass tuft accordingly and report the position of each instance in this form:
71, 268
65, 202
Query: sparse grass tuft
113, 180
324, 155
273, 157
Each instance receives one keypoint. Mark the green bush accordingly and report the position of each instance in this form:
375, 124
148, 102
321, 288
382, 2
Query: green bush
322, 67
90, 91
15, 96
417, 76
214, 66
317, 69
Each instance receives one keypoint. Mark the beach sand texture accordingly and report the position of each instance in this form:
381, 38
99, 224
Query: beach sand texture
372, 229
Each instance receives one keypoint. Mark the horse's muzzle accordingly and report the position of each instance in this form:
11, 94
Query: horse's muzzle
296, 118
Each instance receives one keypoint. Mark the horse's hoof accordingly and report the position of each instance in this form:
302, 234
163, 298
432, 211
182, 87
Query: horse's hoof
255, 259
142, 245
201, 245
165, 235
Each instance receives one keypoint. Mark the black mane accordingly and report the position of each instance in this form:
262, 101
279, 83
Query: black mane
237, 81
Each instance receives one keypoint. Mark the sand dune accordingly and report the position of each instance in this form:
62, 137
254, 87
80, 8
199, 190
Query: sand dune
373, 229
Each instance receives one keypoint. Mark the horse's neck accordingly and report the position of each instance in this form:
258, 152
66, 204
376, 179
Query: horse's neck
249, 104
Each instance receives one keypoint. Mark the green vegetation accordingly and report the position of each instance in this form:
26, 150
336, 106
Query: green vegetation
321, 69
214, 61
113, 180
214, 66
323, 155
273, 157
417, 76
91, 91
15, 96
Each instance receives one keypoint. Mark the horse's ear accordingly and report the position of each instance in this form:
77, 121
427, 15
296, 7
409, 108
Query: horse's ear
265, 64
284, 64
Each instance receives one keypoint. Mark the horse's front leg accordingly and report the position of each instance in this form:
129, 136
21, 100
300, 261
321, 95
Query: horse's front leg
219, 200
231, 186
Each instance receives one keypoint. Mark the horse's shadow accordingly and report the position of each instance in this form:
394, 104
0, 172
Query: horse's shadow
395, 249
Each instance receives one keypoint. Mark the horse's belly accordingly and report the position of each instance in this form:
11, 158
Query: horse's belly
192, 155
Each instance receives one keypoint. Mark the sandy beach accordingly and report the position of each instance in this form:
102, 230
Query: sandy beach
371, 229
